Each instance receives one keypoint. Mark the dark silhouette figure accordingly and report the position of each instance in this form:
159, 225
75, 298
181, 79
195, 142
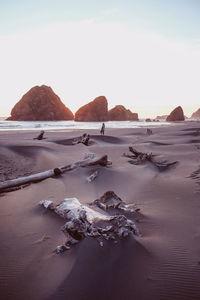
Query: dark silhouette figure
149, 131
102, 129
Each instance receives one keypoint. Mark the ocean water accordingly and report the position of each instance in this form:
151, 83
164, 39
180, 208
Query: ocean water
69, 125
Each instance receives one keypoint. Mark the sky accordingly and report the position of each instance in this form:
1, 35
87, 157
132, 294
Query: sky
143, 54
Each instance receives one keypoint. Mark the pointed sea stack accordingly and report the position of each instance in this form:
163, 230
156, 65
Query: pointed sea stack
40, 104
94, 111
196, 114
176, 115
120, 113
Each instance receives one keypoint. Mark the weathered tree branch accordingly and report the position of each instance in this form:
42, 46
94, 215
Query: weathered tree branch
89, 160
140, 158
84, 139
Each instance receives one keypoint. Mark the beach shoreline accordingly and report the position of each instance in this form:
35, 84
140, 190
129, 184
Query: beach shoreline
74, 125
161, 264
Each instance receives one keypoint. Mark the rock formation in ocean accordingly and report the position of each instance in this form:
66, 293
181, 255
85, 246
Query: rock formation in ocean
196, 114
176, 115
40, 103
120, 113
94, 111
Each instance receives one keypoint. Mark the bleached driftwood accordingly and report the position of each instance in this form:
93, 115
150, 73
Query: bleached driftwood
140, 157
111, 200
82, 221
84, 139
89, 160
92, 176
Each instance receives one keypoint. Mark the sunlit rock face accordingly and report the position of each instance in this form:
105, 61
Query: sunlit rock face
196, 114
40, 103
176, 115
94, 111
120, 113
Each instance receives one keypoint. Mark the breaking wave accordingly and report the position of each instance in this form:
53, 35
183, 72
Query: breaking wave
64, 125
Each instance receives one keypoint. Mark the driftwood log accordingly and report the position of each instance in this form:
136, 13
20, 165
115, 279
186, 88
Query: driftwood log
90, 160
40, 136
83, 221
84, 139
140, 158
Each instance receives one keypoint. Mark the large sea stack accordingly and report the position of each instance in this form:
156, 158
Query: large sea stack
120, 113
40, 104
176, 115
196, 114
94, 111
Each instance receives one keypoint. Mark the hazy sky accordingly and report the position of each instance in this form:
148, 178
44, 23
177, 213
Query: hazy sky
144, 54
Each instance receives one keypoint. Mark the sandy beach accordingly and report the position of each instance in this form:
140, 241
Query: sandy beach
163, 263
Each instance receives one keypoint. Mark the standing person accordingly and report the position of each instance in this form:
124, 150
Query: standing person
102, 129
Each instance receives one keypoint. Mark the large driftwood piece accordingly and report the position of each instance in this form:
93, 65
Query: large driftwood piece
84, 139
89, 160
83, 221
140, 157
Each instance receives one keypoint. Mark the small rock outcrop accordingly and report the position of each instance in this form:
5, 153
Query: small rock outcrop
94, 111
196, 114
40, 104
176, 115
120, 113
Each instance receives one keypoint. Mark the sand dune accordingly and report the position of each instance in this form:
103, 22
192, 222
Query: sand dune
161, 264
